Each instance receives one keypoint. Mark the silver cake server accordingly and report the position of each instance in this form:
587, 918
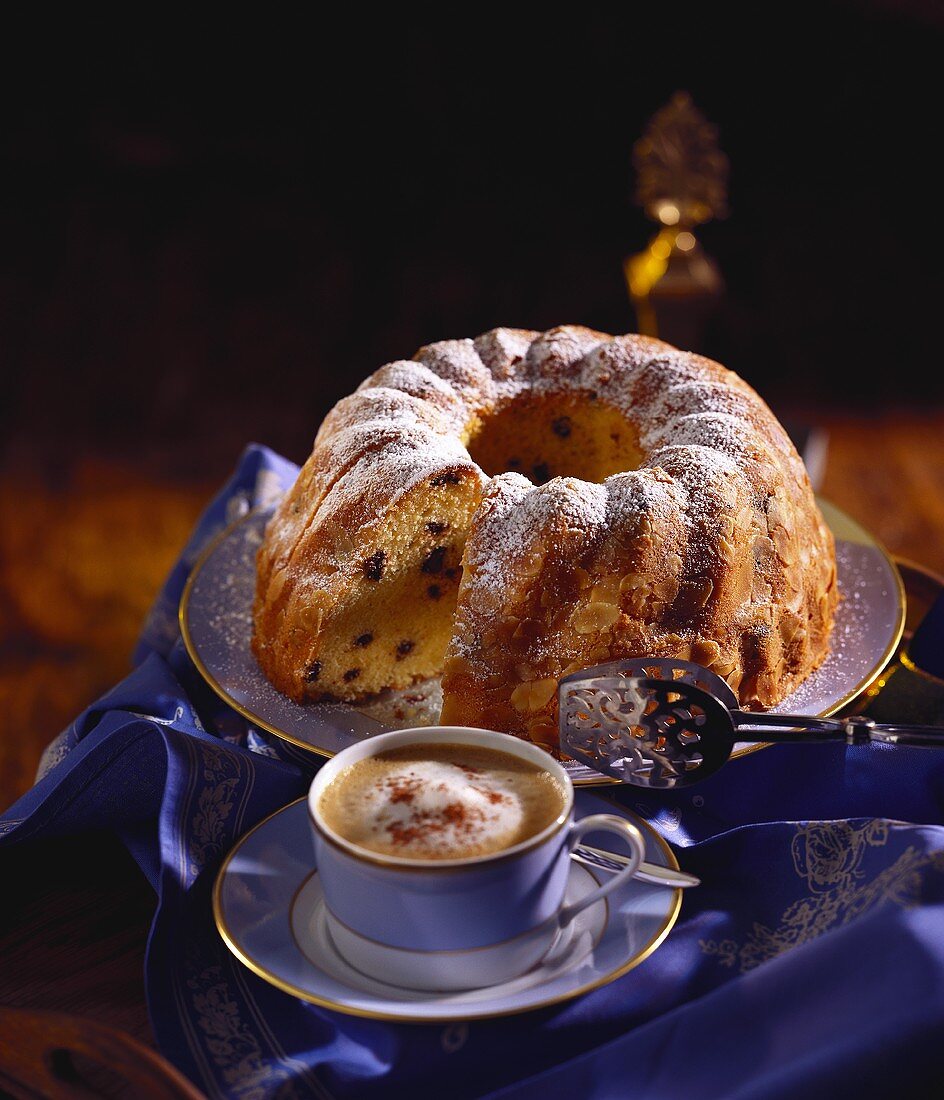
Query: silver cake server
666, 724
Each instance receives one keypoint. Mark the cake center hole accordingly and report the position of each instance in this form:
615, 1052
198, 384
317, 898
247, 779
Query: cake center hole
548, 438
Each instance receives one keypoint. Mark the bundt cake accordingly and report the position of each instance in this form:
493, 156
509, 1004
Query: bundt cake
508, 509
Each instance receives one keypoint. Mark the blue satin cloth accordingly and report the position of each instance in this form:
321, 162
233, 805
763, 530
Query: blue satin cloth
809, 963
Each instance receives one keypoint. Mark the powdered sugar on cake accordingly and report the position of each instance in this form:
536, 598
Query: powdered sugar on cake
514, 511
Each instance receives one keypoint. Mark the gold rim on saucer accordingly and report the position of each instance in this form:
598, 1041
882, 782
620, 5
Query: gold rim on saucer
258, 967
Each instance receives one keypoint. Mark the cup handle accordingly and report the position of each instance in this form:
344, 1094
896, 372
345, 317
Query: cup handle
611, 824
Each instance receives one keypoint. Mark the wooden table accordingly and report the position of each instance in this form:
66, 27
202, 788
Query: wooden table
80, 569
887, 472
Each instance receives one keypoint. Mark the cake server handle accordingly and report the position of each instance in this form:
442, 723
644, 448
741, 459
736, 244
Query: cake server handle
855, 730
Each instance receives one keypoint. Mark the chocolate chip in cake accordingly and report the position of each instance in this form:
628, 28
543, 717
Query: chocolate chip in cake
514, 463
434, 591
541, 472
351, 674
433, 562
314, 671
405, 647
374, 565
561, 426
435, 528
363, 639
450, 477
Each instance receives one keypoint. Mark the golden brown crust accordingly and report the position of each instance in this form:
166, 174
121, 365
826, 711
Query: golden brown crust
704, 542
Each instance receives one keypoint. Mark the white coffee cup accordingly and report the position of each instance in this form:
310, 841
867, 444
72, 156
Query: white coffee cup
449, 924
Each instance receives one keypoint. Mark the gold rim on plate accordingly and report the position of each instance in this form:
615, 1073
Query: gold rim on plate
259, 968
842, 526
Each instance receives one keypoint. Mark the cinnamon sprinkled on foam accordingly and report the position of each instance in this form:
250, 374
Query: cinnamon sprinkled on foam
441, 801
431, 808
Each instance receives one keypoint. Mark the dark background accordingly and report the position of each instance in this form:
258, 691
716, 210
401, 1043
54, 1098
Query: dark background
211, 234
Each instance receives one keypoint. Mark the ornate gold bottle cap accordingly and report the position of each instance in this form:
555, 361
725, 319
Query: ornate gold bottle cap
681, 182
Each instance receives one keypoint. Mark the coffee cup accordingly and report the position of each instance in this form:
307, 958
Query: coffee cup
441, 921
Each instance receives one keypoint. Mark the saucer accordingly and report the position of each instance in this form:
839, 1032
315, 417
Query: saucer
269, 908
216, 626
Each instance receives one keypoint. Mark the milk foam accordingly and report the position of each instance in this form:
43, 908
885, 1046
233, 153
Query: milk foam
446, 802
433, 806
